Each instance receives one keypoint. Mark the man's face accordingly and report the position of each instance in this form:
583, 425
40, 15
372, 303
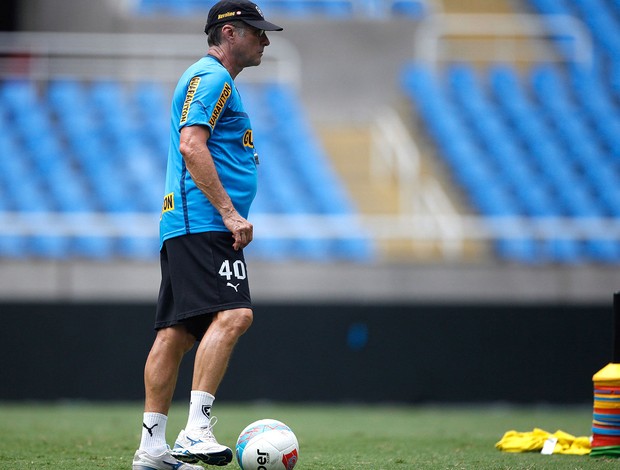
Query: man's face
250, 45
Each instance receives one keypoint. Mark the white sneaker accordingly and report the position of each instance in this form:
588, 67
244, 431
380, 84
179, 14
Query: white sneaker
142, 460
201, 445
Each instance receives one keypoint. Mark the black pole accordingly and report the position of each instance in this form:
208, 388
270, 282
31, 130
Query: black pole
8, 15
616, 333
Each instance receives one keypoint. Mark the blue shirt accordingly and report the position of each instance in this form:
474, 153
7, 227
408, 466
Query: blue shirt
206, 95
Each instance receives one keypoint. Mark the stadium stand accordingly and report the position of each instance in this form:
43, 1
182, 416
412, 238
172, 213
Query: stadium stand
540, 143
100, 146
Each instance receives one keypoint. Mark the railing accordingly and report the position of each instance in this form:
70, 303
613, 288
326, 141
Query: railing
501, 37
395, 156
128, 57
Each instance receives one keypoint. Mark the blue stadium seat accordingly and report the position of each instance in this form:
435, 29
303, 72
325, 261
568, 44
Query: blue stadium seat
48, 246
91, 247
463, 82
537, 200
495, 200
565, 251
550, 7
444, 122
609, 196
273, 250
139, 248
580, 202
66, 95
473, 173
604, 251
18, 94
549, 88
151, 101
333, 8
408, 8
13, 246
520, 250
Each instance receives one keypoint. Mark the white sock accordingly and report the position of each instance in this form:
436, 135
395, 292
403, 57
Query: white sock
199, 410
154, 433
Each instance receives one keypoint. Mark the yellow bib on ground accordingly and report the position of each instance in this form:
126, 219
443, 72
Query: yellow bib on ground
514, 441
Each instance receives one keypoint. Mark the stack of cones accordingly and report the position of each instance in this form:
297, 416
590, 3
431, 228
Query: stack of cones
606, 416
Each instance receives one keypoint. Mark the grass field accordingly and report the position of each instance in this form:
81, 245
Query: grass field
87, 436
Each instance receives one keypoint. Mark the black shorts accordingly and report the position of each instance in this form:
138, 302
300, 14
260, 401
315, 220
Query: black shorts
201, 274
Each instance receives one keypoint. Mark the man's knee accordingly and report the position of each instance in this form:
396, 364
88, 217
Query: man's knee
236, 321
176, 337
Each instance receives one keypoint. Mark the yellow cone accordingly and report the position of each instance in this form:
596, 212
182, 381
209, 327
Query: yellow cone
609, 373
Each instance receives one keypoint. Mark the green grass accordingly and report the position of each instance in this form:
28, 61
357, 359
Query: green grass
89, 436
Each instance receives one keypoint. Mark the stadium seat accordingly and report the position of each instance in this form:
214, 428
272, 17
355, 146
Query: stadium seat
609, 195
520, 250
604, 251
138, 248
565, 251
408, 8
91, 247
495, 200
13, 247
48, 246
549, 7
18, 94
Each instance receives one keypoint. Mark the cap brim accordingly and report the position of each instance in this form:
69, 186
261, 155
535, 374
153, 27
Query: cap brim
262, 24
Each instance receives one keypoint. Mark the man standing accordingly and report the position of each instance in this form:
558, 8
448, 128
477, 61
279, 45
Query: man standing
210, 184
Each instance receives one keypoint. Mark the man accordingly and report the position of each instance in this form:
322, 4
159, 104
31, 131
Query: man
210, 183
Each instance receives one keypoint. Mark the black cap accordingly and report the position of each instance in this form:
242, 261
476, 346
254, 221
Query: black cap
225, 11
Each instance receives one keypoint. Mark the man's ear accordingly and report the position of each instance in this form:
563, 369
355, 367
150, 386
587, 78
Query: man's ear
228, 31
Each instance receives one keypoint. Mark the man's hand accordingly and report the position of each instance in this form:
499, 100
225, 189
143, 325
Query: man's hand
242, 230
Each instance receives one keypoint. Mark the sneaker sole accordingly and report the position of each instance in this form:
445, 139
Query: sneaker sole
185, 457
218, 459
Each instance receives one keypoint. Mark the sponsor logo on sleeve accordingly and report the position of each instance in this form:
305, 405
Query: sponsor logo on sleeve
219, 106
189, 97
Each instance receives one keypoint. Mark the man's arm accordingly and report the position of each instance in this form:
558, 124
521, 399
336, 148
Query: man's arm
199, 162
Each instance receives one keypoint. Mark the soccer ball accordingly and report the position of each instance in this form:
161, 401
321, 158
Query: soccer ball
267, 444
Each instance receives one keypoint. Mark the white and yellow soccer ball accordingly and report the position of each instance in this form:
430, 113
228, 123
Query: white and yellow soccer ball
267, 444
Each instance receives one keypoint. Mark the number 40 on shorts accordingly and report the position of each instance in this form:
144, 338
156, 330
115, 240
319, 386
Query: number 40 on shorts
230, 270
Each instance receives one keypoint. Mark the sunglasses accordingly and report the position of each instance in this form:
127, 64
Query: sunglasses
259, 32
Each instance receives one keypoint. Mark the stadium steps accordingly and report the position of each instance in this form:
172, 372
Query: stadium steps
478, 6
349, 150
472, 47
